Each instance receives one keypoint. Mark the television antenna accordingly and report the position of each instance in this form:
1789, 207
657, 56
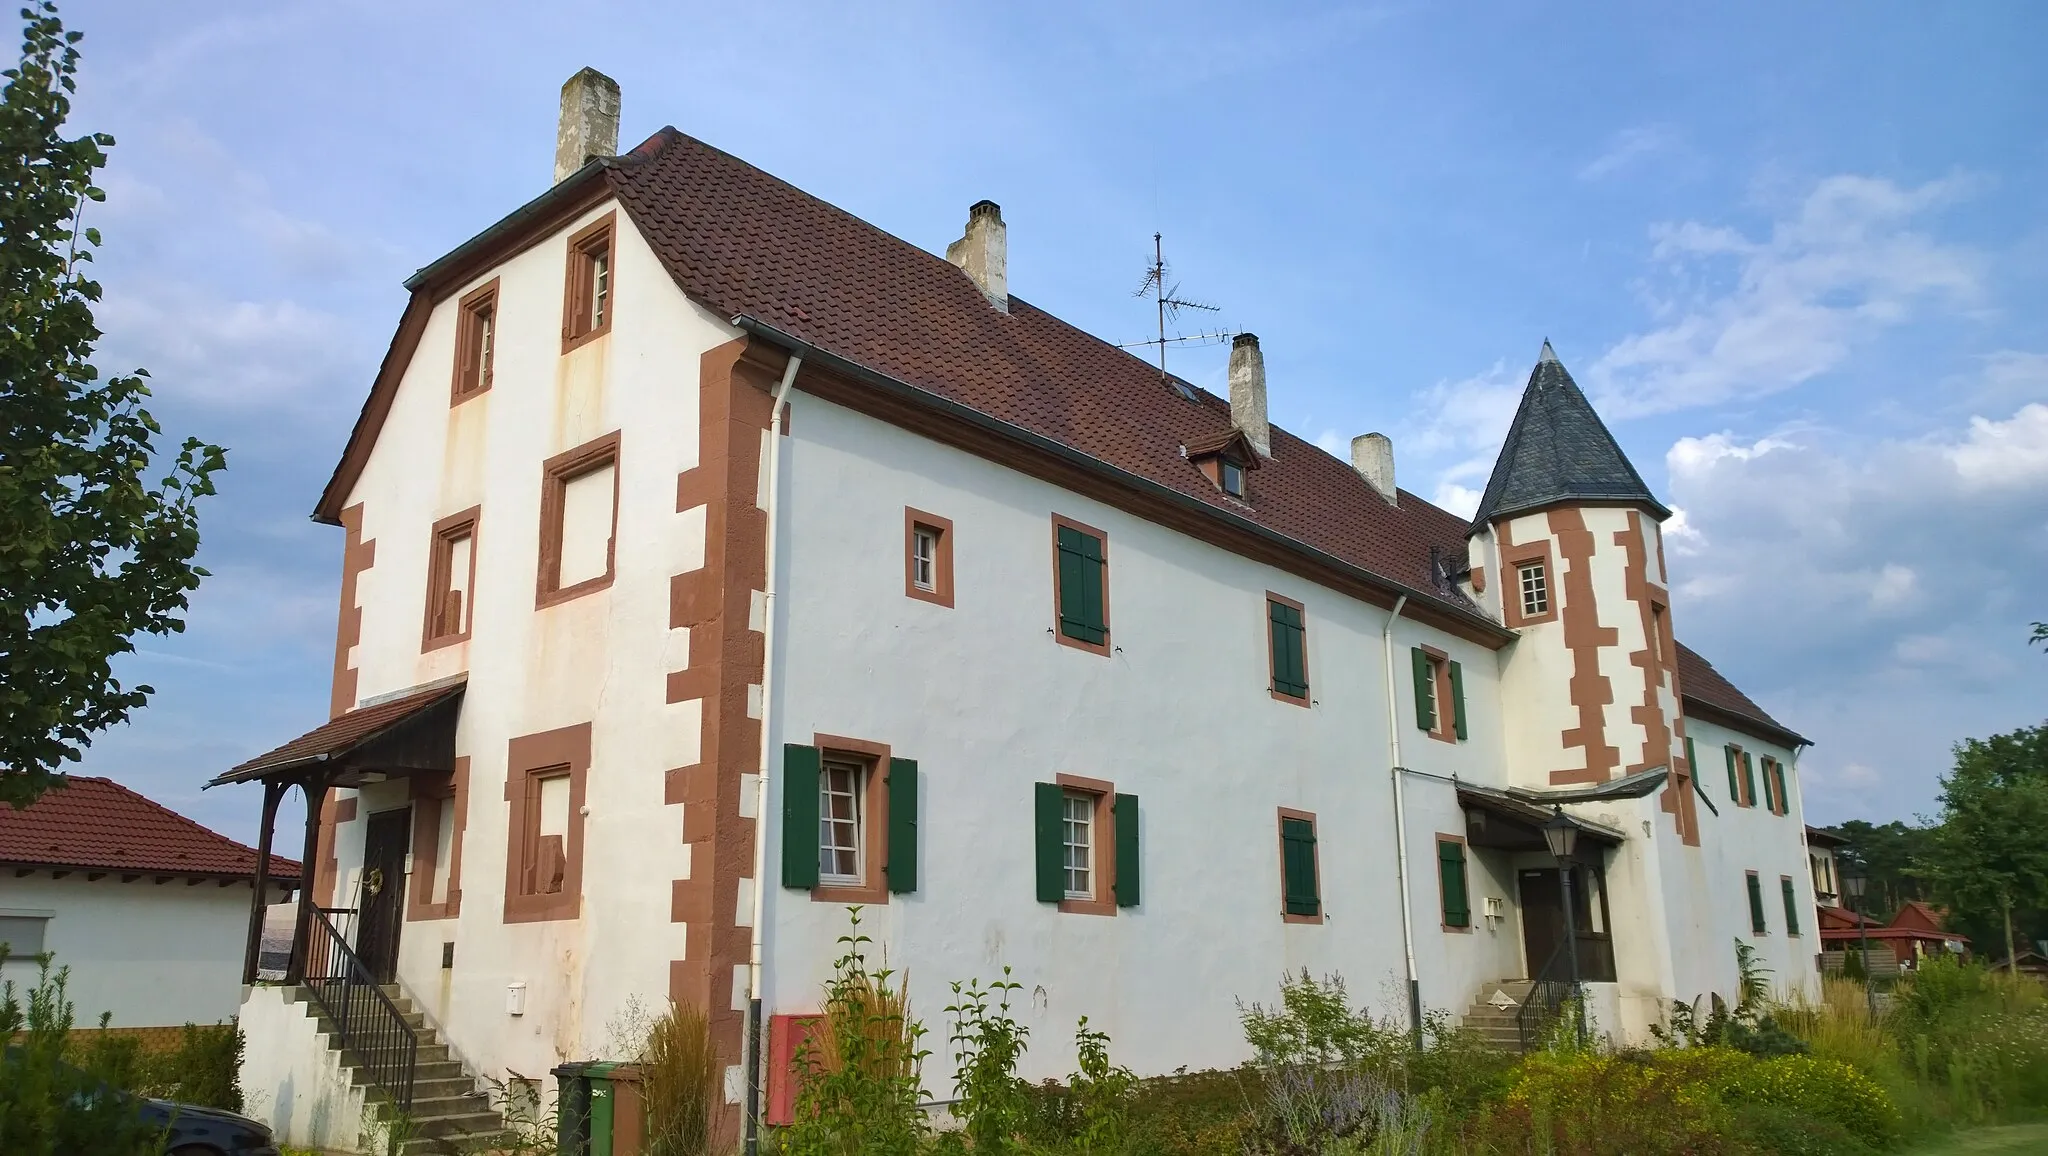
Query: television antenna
1166, 299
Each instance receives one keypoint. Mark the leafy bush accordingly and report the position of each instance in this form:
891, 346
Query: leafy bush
1314, 1024
49, 1107
1818, 1088
991, 1101
859, 1072
1591, 1103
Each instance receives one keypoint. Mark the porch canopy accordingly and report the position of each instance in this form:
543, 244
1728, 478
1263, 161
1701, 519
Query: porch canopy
1512, 818
406, 734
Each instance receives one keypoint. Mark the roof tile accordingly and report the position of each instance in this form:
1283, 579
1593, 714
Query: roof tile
98, 823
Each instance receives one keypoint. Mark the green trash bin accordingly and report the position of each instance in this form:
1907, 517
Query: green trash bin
611, 1110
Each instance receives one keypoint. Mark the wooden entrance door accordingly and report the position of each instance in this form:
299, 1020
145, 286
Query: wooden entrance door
1542, 898
381, 902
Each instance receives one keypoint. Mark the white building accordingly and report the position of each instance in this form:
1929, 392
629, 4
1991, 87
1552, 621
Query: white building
148, 909
1044, 659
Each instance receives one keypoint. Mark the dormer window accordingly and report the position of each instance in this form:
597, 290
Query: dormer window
1224, 459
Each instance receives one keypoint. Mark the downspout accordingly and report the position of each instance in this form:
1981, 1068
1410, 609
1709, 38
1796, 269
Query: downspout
753, 1106
1401, 829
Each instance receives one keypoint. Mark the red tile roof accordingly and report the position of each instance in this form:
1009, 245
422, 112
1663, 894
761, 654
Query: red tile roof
99, 824
1704, 686
340, 735
741, 242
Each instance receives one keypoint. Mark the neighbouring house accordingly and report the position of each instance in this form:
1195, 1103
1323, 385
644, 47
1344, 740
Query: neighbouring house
148, 909
714, 561
2027, 962
1914, 933
1821, 858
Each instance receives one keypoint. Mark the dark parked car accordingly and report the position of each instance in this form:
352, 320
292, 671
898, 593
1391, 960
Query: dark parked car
197, 1131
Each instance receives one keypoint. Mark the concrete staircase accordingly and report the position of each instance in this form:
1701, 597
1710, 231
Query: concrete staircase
1492, 1017
448, 1114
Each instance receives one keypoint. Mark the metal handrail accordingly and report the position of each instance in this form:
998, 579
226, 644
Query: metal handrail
369, 1024
1539, 1011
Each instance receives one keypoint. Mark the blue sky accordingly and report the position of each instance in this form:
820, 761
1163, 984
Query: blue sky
1798, 253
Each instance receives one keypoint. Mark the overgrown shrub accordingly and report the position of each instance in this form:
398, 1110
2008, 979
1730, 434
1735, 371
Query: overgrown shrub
1590, 1103
859, 1072
991, 1101
1313, 1024
1817, 1088
679, 1077
49, 1107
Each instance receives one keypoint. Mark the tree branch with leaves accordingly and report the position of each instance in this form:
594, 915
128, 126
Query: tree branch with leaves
92, 551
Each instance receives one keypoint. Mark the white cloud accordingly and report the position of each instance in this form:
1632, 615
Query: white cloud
1893, 586
2000, 454
1628, 147
263, 354
1460, 500
1746, 317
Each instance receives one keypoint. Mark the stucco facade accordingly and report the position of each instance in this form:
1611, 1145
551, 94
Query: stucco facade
649, 700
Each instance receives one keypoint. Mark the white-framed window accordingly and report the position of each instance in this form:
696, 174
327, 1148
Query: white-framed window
841, 807
1535, 585
1078, 834
22, 932
600, 286
924, 558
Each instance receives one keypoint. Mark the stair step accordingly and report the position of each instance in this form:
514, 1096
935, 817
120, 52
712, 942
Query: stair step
440, 1072
469, 1124
426, 1108
446, 1146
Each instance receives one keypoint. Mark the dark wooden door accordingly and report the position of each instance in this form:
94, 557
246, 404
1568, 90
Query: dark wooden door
381, 906
1542, 921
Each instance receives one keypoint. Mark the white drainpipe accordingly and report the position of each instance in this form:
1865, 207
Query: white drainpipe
761, 888
1401, 828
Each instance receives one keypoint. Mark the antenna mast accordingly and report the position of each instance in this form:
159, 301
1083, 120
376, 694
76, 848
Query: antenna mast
1168, 303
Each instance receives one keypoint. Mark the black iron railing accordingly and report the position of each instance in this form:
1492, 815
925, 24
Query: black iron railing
371, 1026
1548, 991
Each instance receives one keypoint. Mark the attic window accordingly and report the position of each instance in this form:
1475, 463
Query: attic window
587, 292
1230, 477
1224, 461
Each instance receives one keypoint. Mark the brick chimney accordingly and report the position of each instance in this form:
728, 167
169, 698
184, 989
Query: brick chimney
590, 122
984, 253
1248, 392
1372, 455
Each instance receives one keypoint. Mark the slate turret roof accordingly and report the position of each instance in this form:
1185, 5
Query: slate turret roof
1558, 451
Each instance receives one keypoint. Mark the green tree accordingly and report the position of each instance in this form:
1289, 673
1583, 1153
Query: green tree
2040, 634
1990, 853
91, 552
1887, 854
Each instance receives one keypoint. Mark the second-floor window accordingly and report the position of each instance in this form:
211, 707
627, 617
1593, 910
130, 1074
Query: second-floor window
1287, 649
1439, 693
579, 511
1081, 576
451, 574
927, 557
1534, 582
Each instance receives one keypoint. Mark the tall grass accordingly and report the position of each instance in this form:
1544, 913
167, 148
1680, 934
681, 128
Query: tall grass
679, 1075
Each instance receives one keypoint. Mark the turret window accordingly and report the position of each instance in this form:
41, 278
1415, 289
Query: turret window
1535, 587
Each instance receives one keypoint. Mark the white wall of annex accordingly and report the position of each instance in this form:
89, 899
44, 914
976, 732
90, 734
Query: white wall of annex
988, 703
153, 954
600, 658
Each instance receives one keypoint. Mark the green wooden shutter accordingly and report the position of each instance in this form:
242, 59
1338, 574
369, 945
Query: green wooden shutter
902, 866
1128, 864
1756, 905
1734, 776
1458, 700
1298, 867
1778, 781
1290, 654
1450, 862
1052, 848
800, 842
1080, 592
1425, 703
1748, 780
1791, 906
1692, 762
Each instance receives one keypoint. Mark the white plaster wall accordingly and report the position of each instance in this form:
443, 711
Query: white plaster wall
988, 703
291, 1080
1739, 839
600, 658
153, 954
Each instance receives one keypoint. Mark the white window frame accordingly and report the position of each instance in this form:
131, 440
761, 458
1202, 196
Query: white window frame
924, 555
858, 776
600, 285
1077, 812
1540, 588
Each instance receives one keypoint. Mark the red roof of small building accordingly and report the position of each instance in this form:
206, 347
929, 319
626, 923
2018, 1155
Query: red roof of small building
96, 823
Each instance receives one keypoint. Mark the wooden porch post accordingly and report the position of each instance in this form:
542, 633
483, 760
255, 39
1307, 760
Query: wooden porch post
315, 788
259, 903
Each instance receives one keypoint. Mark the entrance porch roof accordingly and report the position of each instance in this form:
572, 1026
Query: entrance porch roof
414, 731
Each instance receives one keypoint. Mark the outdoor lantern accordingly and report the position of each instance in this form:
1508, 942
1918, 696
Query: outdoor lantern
1853, 883
1561, 833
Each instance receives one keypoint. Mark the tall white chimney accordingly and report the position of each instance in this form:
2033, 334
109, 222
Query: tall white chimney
984, 253
1372, 455
1248, 392
590, 122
